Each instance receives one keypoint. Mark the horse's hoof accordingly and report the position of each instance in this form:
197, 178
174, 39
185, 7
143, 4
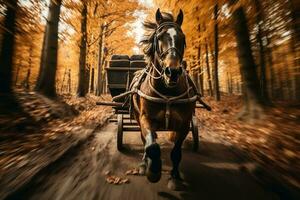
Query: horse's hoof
153, 177
175, 184
142, 169
153, 163
153, 151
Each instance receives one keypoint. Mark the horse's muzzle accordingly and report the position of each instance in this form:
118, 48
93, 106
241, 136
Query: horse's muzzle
172, 75
173, 72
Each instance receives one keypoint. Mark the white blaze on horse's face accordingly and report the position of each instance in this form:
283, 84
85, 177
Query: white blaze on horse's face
172, 60
172, 32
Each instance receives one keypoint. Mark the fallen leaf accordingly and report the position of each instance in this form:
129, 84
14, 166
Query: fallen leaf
117, 180
110, 180
126, 180
135, 172
128, 172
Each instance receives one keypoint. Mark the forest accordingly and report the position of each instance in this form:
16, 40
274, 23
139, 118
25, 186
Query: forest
242, 55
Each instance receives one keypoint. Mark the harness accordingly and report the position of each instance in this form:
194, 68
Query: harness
169, 100
162, 99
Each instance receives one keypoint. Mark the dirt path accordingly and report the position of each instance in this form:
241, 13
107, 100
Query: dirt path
213, 173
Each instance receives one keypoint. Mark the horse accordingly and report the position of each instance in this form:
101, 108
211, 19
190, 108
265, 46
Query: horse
165, 98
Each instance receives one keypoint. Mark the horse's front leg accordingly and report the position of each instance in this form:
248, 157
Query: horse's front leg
152, 160
175, 181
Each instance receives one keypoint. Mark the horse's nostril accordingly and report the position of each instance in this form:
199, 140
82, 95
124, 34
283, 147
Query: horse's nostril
168, 71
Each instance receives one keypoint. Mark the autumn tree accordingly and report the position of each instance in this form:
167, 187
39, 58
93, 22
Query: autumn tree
216, 55
294, 7
200, 67
102, 32
115, 15
48, 66
262, 57
8, 103
81, 91
7, 47
28, 44
113, 32
208, 70
253, 103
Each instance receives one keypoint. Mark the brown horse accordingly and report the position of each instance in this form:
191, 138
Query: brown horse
165, 99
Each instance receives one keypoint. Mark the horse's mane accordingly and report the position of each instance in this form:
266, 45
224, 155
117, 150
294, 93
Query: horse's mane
148, 39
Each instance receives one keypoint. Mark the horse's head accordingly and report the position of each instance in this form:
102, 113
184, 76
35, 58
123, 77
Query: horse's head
169, 44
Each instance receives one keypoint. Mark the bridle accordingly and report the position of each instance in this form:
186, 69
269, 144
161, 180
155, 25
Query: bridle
156, 47
158, 55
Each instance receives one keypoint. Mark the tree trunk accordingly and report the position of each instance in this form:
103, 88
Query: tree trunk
280, 91
287, 73
200, 80
92, 80
104, 79
99, 82
195, 78
8, 103
263, 80
69, 82
208, 70
47, 74
229, 83
269, 59
27, 79
81, 91
7, 48
17, 73
87, 78
262, 62
39, 77
270, 65
200, 72
216, 36
200, 69
252, 98
295, 44
63, 82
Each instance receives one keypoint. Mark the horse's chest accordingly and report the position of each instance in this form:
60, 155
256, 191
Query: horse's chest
175, 115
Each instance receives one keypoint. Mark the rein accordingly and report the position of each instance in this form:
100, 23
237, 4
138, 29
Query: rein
168, 100
152, 76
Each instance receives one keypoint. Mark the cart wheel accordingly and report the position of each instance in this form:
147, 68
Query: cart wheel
120, 133
195, 133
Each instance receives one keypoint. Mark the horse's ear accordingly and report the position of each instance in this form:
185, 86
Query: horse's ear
158, 16
179, 19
